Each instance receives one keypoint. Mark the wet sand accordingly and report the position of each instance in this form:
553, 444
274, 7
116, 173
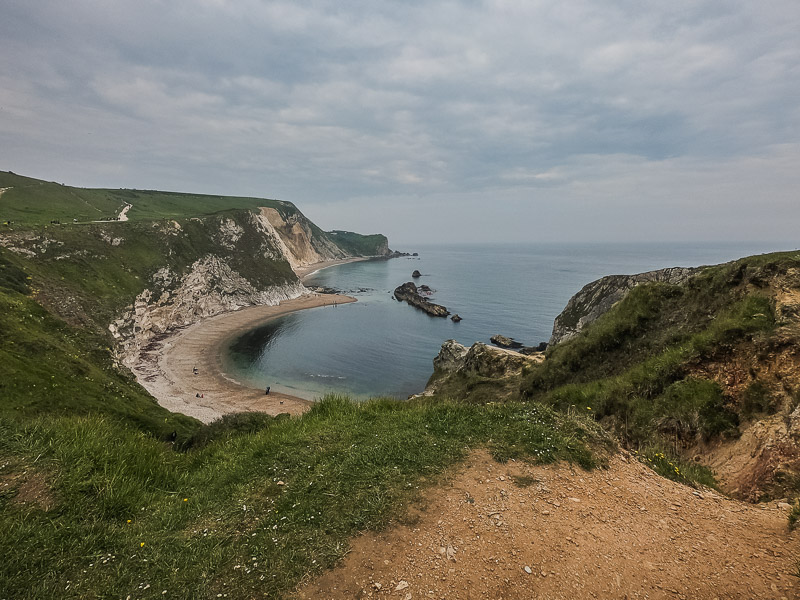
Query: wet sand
166, 367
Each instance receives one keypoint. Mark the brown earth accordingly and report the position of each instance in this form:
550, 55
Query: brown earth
24, 485
623, 532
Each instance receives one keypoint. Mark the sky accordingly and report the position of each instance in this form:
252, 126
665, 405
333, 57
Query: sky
434, 121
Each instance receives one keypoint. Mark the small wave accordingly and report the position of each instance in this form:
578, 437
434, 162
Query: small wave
321, 376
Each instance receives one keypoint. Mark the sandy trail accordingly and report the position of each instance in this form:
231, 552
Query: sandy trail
166, 366
618, 533
123, 214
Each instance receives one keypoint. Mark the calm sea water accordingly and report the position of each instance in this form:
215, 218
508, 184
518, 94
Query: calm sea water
378, 346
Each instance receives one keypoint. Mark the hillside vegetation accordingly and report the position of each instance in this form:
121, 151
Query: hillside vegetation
103, 493
683, 373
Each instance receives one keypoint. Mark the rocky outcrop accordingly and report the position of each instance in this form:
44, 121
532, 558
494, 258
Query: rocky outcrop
598, 297
505, 342
408, 293
450, 357
481, 359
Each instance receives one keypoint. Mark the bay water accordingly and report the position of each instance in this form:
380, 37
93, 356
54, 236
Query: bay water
381, 347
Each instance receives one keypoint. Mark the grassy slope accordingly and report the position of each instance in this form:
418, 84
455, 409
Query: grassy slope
48, 367
103, 279
35, 202
632, 368
357, 244
130, 512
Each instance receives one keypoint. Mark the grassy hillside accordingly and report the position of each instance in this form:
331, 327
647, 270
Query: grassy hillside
48, 367
634, 364
359, 245
35, 202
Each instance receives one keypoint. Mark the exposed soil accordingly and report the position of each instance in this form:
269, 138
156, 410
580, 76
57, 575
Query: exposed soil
25, 486
517, 531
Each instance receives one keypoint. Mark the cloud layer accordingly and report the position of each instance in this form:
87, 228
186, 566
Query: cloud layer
497, 120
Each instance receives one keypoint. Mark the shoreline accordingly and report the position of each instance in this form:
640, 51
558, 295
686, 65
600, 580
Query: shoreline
307, 271
165, 367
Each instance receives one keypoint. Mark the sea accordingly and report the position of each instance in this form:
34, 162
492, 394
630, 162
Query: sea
381, 347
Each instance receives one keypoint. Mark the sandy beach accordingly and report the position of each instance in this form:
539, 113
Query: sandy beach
166, 367
308, 270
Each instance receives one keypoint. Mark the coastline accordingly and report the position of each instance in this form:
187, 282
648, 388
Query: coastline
166, 366
309, 270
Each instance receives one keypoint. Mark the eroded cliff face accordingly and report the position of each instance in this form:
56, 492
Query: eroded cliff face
210, 288
296, 239
597, 297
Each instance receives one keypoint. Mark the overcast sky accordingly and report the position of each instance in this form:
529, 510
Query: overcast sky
428, 121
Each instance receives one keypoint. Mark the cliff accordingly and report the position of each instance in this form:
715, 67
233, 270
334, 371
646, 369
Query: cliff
597, 297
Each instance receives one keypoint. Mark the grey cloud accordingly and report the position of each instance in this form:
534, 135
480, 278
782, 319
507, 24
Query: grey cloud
531, 104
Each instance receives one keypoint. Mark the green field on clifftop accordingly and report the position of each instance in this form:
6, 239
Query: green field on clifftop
28, 201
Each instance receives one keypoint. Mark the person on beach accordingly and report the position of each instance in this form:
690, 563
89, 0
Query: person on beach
266, 393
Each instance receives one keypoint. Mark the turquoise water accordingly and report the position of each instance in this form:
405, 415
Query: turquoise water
379, 346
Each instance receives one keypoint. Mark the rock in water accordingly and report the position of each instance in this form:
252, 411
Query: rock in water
416, 274
505, 342
408, 293
456, 318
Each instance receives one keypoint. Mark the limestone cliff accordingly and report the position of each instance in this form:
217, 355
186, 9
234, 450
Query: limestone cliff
595, 298
210, 288
296, 239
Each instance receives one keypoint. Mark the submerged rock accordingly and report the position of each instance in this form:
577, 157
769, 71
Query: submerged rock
456, 318
416, 274
408, 293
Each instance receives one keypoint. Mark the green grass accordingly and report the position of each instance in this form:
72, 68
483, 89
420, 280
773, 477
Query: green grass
672, 466
216, 519
35, 202
48, 367
80, 270
359, 245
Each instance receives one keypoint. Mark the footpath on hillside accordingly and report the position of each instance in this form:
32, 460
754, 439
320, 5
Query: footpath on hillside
517, 531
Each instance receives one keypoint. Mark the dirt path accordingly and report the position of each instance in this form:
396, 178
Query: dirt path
123, 214
618, 533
